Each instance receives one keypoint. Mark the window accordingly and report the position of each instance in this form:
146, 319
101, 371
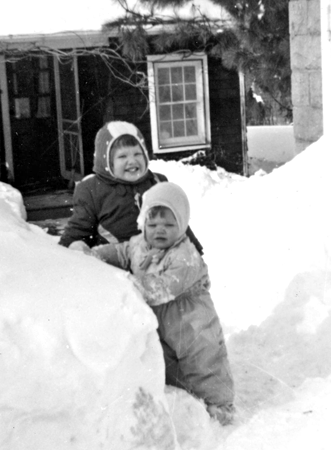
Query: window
44, 99
30, 87
179, 102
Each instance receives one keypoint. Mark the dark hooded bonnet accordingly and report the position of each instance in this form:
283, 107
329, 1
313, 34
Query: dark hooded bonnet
104, 140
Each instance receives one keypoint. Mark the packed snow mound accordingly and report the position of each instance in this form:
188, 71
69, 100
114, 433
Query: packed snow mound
71, 331
11, 203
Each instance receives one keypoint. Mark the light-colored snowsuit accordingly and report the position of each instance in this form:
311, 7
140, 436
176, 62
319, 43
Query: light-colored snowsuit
175, 283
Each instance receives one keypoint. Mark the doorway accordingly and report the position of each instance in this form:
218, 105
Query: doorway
32, 110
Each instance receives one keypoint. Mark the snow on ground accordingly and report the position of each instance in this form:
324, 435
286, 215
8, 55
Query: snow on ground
80, 364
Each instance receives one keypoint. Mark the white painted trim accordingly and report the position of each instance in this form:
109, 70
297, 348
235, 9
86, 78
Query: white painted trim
205, 81
187, 148
6, 119
59, 116
79, 120
68, 175
178, 56
205, 115
152, 104
244, 146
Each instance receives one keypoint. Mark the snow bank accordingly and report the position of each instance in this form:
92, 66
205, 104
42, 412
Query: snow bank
81, 365
258, 233
267, 245
12, 204
302, 423
80, 362
273, 143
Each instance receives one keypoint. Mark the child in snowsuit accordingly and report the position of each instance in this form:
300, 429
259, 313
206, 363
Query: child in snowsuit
106, 204
175, 283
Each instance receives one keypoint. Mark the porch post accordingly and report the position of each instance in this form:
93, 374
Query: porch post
6, 119
243, 122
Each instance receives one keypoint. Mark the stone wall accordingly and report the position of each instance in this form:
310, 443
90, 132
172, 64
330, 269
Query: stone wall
306, 65
326, 63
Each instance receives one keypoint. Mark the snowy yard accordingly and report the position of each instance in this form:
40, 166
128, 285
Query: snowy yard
80, 363
269, 146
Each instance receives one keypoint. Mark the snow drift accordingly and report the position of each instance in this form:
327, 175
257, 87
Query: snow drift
80, 363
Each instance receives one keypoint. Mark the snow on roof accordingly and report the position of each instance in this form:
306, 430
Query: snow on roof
36, 17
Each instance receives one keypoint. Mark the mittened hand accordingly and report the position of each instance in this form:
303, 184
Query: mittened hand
104, 252
224, 414
80, 246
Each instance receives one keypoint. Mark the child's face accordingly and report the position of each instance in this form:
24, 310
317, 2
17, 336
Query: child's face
162, 231
129, 163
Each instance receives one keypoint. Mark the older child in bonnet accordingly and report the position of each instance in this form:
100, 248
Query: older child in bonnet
106, 204
175, 283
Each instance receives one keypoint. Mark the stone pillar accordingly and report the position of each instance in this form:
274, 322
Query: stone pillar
306, 65
326, 63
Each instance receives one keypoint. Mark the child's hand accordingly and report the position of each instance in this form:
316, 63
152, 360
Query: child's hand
154, 255
105, 252
80, 246
224, 414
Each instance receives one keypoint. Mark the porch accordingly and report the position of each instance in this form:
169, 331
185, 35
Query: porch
48, 209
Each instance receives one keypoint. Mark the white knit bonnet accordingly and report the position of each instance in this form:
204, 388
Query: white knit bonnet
171, 196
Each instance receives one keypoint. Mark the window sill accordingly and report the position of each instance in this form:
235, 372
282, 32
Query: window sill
183, 148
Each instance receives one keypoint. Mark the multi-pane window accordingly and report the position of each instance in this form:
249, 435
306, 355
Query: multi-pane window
30, 87
179, 102
44, 100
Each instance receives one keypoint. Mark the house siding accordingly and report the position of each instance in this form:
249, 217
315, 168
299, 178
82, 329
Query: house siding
131, 104
94, 88
225, 116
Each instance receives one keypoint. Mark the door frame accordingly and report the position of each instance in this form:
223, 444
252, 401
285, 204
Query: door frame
71, 175
6, 120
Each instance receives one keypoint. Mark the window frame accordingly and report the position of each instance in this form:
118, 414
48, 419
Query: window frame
180, 144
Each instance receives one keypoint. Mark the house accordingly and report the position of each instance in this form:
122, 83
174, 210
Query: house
58, 89
42, 107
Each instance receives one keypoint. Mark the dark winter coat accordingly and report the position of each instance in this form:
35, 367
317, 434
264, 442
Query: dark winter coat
106, 210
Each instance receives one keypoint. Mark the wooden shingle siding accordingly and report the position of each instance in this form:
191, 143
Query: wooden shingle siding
225, 116
121, 101
129, 103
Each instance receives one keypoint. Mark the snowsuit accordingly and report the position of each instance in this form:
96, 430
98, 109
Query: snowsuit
176, 286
